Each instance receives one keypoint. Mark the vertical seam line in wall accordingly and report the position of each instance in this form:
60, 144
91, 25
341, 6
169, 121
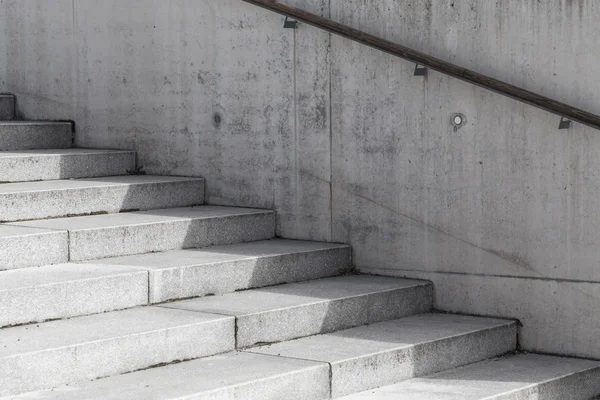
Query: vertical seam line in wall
329, 64
75, 65
297, 172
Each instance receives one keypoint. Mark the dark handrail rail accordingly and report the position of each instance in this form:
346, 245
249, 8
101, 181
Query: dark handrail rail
564, 110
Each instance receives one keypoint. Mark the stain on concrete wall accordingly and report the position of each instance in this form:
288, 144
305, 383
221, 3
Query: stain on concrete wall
345, 143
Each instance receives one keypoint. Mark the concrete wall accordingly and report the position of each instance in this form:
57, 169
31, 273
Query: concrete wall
503, 215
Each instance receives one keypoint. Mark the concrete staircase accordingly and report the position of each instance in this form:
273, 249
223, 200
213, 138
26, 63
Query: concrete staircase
120, 286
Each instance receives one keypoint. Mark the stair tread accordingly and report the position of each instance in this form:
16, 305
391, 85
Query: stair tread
68, 290
231, 371
63, 352
217, 254
59, 152
95, 328
381, 337
141, 217
60, 273
506, 375
67, 184
180, 274
285, 312
7, 230
34, 122
293, 295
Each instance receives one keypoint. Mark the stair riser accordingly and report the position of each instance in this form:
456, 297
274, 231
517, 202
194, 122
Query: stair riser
227, 277
310, 384
50, 248
7, 108
369, 372
109, 357
173, 235
21, 206
326, 317
35, 136
44, 168
70, 299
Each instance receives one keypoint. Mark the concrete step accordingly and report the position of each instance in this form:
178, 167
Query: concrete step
228, 376
291, 311
16, 244
36, 357
28, 135
7, 107
51, 199
112, 235
381, 354
182, 274
68, 290
44, 165
525, 376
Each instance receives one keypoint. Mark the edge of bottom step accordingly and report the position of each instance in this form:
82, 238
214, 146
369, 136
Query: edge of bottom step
517, 376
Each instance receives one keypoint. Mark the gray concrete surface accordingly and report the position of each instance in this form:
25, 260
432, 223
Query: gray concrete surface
189, 273
51, 247
51, 354
286, 312
7, 107
44, 165
51, 199
342, 140
228, 376
68, 290
520, 377
381, 354
25, 135
563, 313
112, 235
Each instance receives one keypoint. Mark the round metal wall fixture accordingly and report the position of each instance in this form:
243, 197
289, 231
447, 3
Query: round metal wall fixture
458, 121
217, 119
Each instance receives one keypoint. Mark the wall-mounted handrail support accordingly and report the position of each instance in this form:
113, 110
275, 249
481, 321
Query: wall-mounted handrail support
420, 70
290, 23
564, 110
564, 123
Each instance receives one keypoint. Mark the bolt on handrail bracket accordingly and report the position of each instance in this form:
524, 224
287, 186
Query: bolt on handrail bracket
561, 109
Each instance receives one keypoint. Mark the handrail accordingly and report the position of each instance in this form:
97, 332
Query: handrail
561, 109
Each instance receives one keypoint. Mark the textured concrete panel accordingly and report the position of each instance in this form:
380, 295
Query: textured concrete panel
7, 107
225, 269
153, 77
506, 195
302, 309
37, 200
38, 63
43, 165
381, 354
520, 377
68, 290
111, 235
55, 353
16, 244
228, 376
